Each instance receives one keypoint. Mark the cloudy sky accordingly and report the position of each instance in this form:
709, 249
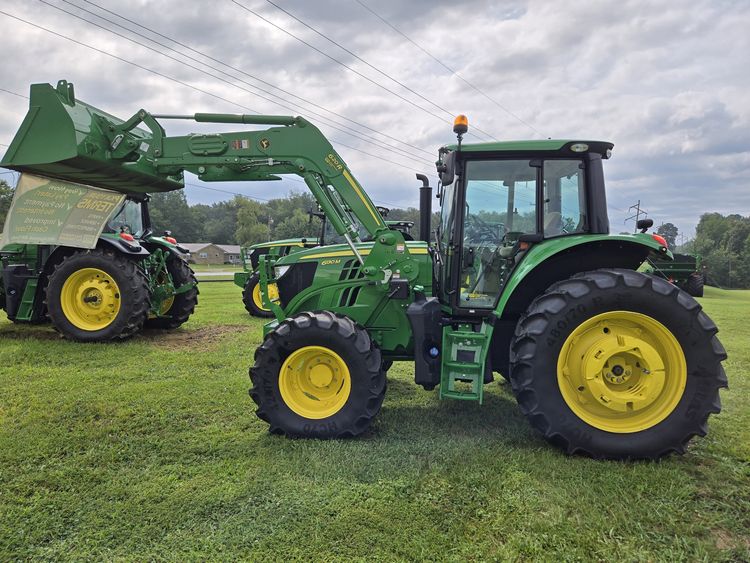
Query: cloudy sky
667, 82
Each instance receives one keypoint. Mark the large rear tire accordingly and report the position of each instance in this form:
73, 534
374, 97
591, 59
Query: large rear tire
318, 375
177, 310
252, 299
616, 364
97, 295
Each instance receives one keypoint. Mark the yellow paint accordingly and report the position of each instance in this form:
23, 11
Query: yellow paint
284, 244
622, 372
362, 251
354, 185
273, 295
315, 382
90, 299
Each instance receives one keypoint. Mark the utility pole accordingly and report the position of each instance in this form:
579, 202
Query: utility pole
637, 216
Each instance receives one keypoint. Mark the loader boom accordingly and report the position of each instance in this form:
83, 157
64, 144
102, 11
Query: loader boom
65, 138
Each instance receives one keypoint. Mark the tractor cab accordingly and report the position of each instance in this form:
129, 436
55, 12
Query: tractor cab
500, 199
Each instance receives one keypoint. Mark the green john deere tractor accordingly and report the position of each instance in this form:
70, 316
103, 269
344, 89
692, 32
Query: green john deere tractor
249, 278
82, 257
522, 279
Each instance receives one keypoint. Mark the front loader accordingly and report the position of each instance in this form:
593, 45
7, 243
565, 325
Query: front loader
522, 279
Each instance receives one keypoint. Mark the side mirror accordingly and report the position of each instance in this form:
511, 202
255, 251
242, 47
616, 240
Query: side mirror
447, 168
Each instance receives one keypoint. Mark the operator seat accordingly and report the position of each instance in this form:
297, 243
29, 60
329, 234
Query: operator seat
553, 223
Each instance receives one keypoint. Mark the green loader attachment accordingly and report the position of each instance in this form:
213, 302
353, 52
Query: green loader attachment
522, 279
64, 138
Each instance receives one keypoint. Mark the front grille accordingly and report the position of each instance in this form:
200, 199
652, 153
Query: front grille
349, 296
299, 277
351, 270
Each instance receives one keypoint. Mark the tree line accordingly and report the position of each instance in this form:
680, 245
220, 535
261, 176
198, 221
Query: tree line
722, 242
244, 221
723, 245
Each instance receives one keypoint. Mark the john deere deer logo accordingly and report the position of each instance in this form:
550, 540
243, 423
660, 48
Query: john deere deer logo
265, 143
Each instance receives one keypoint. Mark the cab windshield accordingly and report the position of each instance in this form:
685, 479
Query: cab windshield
126, 219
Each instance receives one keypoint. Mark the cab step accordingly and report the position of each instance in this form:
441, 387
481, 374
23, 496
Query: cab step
463, 362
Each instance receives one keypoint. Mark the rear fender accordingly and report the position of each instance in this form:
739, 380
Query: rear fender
555, 261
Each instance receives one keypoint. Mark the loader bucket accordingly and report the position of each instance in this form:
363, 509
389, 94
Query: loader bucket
64, 138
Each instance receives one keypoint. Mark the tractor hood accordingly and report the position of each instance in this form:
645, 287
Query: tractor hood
341, 251
309, 241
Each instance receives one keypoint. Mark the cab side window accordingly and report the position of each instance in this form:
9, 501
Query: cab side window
564, 197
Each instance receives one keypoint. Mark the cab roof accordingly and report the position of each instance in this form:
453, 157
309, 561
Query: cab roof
564, 147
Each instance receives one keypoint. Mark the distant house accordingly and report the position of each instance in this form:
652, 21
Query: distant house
210, 253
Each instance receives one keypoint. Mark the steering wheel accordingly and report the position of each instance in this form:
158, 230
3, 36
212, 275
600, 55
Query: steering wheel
477, 228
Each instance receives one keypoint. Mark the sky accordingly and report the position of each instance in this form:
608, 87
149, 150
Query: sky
666, 82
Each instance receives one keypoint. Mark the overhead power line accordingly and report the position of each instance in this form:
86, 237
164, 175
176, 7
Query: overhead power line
450, 114
219, 78
243, 72
446, 67
14, 94
341, 63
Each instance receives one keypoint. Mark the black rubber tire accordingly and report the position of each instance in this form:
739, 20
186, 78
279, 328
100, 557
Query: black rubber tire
551, 318
247, 298
184, 303
133, 295
352, 343
694, 284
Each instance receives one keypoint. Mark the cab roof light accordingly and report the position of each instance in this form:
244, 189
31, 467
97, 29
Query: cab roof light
460, 124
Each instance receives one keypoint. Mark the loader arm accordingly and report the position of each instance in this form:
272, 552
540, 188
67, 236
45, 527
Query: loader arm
65, 138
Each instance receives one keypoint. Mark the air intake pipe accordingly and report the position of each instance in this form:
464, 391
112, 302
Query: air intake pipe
425, 208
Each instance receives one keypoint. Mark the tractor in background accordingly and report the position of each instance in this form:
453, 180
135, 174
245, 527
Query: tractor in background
685, 271
523, 278
249, 279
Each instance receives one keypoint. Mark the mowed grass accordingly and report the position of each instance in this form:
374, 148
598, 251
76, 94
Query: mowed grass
150, 450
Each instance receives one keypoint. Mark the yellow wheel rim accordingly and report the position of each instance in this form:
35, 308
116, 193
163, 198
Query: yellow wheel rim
315, 382
622, 372
90, 299
273, 295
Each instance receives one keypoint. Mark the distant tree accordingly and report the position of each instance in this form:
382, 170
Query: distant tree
6, 196
170, 212
221, 221
669, 231
724, 246
297, 225
252, 223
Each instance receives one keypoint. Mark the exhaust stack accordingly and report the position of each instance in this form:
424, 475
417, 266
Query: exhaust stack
425, 208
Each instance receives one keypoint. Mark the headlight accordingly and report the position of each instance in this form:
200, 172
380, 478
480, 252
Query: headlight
279, 271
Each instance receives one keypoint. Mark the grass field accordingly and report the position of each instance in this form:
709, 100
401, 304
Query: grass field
150, 450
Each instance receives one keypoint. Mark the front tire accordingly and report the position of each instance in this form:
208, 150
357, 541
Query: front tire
318, 375
97, 295
252, 299
616, 364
